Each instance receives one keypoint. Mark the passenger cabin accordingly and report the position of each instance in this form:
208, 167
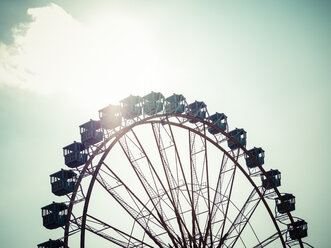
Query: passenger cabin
91, 132
197, 109
54, 215
299, 229
75, 154
52, 244
219, 120
110, 116
63, 182
175, 104
153, 103
131, 107
257, 154
274, 176
288, 203
239, 135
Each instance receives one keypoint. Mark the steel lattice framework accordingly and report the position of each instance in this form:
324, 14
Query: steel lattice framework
173, 179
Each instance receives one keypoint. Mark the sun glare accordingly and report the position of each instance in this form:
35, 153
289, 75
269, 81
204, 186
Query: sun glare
102, 60
122, 56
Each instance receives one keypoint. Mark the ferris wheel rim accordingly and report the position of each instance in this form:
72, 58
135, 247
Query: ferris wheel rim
114, 139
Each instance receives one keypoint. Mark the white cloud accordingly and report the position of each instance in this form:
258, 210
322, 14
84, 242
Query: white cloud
42, 50
56, 53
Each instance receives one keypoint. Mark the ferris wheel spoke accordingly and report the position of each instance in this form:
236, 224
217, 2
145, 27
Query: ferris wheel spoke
225, 199
230, 238
171, 184
169, 193
269, 240
208, 230
128, 237
131, 211
179, 168
100, 232
151, 217
171, 181
218, 198
100, 228
231, 182
196, 230
216, 202
180, 176
237, 165
108, 237
143, 207
149, 190
195, 224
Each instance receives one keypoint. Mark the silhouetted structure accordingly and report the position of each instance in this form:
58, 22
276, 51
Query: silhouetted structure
299, 228
63, 182
273, 176
258, 154
54, 215
198, 110
52, 244
110, 116
131, 107
288, 203
175, 104
194, 180
153, 103
75, 154
239, 135
91, 132
219, 120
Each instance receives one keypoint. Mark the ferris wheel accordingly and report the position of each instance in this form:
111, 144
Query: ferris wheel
159, 172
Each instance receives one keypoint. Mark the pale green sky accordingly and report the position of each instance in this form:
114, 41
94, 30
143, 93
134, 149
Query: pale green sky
266, 64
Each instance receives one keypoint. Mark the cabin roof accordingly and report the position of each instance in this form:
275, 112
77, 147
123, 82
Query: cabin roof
197, 104
131, 100
298, 223
72, 147
175, 97
111, 108
286, 196
217, 116
153, 96
273, 172
256, 150
58, 174
236, 131
57, 242
60, 206
87, 125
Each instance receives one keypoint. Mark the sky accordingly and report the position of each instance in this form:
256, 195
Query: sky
266, 64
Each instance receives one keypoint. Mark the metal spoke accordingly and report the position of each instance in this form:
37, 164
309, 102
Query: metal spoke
131, 211
207, 227
217, 198
229, 197
269, 240
244, 173
105, 226
195, 223
170, 182
242, 219
194, 188
152, 195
